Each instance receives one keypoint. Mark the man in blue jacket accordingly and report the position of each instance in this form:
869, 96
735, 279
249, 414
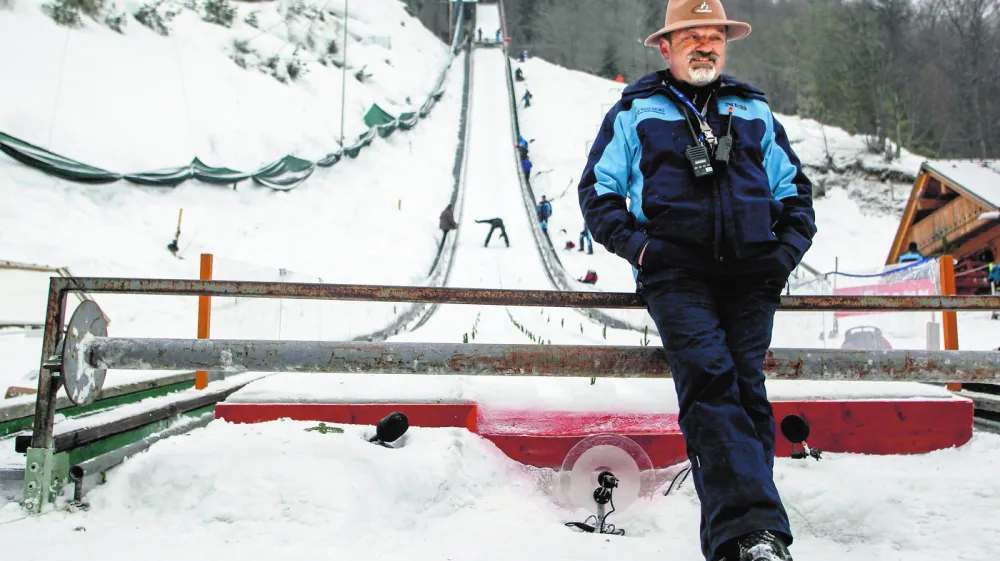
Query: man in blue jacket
692, 180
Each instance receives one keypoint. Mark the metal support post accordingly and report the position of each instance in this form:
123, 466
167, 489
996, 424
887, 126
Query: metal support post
38, 469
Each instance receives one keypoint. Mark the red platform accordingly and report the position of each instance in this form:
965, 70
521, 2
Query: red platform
543, 438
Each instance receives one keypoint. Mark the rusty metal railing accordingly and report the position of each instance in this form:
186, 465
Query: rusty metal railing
104, 353
79, 357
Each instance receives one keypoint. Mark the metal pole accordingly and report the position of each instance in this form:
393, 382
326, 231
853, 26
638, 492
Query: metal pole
38, 471
519, 360
343, 75
204, 316
497, 297
48, 376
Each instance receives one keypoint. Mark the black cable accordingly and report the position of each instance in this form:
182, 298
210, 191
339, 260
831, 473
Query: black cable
604, 528
685, 472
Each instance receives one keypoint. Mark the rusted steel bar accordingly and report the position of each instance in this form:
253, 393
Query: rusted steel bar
520, 360
498, 297
48, 382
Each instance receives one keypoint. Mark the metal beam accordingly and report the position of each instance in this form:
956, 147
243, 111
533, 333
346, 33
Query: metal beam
521, 360
495, 297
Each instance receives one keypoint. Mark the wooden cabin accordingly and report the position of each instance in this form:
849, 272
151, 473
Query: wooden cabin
945, 214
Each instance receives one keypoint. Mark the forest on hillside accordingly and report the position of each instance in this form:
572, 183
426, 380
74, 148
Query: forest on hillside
923, 74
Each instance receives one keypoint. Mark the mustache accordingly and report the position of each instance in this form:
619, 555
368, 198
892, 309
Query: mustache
703, 56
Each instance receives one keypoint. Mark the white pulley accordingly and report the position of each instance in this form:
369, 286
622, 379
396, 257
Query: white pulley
596, 454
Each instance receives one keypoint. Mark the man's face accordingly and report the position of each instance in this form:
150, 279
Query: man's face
696, 55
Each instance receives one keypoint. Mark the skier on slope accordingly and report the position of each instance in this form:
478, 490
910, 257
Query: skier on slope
721, 213
495, 224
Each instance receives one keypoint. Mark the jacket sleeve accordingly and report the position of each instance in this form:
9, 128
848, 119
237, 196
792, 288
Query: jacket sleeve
792, 188
604, 186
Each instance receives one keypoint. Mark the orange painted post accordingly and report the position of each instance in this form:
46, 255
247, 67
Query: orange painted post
949, 320
204, 317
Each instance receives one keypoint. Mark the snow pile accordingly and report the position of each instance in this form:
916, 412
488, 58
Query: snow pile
256, 491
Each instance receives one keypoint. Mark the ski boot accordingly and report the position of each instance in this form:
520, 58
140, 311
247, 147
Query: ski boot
755, 546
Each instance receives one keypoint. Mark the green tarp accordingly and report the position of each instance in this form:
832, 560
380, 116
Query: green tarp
54, 164
377, 116
283, 174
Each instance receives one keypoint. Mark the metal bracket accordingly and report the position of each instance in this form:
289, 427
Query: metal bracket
60, 475
37, 478
83, 383
44, 477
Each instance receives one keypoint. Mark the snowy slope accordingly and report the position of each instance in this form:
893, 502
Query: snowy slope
226, 491
140, 101
373, 219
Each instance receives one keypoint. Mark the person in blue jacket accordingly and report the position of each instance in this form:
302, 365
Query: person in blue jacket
912, 254
692, 180
544, 211
526, 166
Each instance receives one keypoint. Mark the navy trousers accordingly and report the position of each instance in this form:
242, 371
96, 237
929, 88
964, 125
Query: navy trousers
716, 330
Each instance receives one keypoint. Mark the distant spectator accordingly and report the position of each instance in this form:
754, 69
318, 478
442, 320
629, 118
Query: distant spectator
527, 98
447, 223
526, 166
994, 276
912, 254
544, 211
522, 148
590, 242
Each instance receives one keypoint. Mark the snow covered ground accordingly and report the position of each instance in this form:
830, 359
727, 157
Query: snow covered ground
277, 490
257, 492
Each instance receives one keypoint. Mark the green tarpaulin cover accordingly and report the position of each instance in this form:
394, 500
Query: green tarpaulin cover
283, 174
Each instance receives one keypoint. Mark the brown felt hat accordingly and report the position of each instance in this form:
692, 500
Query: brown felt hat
682, 14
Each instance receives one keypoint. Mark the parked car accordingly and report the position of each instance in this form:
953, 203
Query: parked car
865, 337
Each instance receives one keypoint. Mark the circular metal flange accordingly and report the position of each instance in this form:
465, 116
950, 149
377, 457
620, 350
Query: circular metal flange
83, 382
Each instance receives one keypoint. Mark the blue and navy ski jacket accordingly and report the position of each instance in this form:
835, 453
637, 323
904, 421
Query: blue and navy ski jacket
638, 186
544, 210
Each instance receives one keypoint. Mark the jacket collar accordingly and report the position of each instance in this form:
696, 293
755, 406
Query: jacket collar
655, 83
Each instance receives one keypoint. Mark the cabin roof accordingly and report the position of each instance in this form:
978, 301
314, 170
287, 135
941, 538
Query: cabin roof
977, 178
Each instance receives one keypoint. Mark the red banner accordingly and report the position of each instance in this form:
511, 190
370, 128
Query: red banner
913, 287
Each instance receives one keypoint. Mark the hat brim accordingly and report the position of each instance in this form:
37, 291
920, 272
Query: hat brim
736, 30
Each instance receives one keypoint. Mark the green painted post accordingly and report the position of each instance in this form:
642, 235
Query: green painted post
37, 478
60, 475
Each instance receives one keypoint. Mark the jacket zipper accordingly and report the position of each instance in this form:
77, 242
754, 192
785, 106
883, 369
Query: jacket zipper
718, 221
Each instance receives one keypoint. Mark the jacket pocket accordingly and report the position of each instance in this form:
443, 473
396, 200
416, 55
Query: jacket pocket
758, 220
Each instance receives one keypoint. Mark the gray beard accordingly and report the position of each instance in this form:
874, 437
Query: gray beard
702, 75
